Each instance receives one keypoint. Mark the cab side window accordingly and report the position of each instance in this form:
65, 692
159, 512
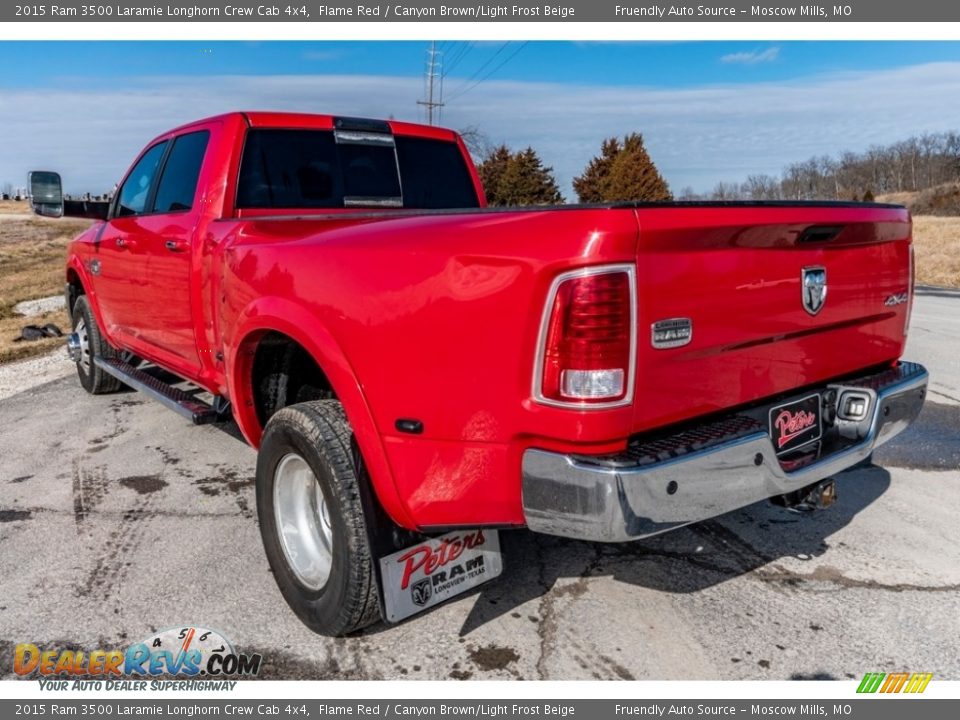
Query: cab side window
178, 184
135, 192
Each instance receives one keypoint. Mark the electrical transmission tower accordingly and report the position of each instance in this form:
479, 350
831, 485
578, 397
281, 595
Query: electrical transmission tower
434, 84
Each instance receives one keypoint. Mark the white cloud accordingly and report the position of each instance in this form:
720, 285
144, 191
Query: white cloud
321, 55
755, 57
697, 135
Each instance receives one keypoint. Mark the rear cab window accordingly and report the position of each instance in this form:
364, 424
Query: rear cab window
324, 169
434, 174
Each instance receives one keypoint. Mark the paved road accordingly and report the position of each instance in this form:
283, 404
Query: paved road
117, 518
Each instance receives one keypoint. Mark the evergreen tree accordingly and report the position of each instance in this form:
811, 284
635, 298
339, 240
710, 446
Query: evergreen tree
591, 186
622, 172
518, 179
491, 172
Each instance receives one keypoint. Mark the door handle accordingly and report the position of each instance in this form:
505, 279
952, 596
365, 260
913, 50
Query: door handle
175, 246
126, 243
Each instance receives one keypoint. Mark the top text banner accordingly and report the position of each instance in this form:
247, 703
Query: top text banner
860, 11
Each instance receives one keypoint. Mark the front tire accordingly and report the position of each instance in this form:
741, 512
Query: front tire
312, 521
92, 345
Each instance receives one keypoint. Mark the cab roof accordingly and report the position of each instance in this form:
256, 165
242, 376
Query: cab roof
307, 121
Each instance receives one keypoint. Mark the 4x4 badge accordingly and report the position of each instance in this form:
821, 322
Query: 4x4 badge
813, 287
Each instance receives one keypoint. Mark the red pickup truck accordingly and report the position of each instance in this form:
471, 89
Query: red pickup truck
419, 371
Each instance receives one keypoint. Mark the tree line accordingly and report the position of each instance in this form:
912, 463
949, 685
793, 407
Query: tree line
623, 171
911, 165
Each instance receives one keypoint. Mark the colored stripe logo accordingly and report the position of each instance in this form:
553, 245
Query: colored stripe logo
894, 683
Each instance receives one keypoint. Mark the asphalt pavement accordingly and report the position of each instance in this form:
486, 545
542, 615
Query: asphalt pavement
119, 519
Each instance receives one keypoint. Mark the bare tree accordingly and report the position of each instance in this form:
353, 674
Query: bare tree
911, 165
725, 191
478, 142
761, 187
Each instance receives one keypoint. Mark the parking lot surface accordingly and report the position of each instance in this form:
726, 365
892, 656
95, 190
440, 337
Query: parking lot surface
118, 519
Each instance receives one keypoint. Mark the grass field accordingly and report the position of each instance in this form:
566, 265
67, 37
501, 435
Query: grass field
14, 206
32, 254
936, 232
31, 267
937, 247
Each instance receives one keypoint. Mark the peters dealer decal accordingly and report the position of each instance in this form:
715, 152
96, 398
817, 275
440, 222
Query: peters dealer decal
437, 569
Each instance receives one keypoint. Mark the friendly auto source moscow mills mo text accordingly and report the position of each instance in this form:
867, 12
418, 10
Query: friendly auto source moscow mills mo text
661, 11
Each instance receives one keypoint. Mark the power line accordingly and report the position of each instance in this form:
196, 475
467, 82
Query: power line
510, 57
482, 67
457, 57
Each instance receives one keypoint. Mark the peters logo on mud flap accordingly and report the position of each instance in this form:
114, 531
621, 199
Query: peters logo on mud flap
438, 569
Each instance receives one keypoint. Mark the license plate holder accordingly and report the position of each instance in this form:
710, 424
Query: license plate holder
796, 423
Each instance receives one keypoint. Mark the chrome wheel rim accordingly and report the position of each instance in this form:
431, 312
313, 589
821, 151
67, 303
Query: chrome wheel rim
84, 337
303, 521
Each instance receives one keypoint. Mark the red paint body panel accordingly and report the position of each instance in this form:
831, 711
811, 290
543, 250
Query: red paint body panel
436, 316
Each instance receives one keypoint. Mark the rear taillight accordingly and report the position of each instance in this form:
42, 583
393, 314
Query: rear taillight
588, 338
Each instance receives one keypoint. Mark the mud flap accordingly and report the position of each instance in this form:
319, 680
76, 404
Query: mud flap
437, 569
430, 558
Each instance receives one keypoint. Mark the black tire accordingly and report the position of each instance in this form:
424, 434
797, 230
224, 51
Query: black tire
94, 380
319, 433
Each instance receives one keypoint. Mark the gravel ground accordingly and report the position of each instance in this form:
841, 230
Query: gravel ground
118, 518
28, 308
22, 375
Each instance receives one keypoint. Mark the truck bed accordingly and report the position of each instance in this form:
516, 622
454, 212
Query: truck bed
449, 305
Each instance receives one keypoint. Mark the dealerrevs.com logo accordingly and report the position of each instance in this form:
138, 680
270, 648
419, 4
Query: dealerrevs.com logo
187, 652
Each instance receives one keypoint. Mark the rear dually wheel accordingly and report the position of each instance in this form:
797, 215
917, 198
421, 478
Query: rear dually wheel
312, 521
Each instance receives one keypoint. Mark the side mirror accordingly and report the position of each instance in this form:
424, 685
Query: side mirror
46, 199
46, 193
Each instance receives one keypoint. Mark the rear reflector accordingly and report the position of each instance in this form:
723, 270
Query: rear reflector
588, 339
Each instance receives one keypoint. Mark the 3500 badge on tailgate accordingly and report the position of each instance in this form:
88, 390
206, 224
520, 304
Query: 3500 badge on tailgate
437, 569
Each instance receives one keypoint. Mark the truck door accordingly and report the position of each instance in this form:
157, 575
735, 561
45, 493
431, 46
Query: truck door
169, 235
119, 268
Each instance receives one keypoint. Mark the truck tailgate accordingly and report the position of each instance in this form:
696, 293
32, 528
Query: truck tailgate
736, 272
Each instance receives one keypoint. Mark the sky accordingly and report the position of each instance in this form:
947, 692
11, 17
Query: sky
709, 111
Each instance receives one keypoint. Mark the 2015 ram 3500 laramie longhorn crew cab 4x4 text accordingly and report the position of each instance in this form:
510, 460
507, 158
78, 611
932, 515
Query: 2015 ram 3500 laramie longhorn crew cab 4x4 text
419, 371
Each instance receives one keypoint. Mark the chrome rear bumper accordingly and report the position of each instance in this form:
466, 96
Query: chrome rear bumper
704, 472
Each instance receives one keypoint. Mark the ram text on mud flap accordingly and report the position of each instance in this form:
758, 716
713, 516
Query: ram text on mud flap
419, 577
